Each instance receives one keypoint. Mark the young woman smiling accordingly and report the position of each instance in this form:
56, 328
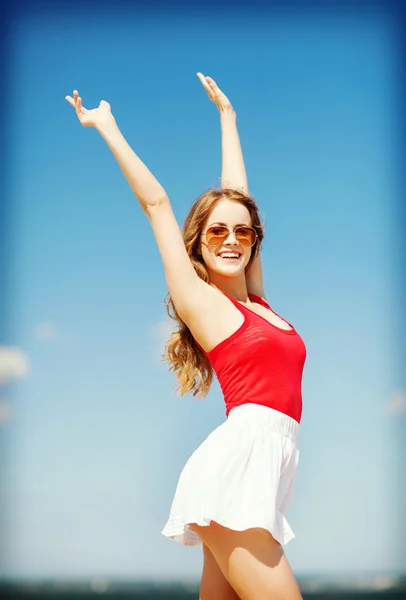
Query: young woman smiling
234, 491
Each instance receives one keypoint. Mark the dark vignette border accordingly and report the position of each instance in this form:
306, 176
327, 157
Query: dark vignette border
11, 11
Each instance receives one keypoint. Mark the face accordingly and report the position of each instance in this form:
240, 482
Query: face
230, 257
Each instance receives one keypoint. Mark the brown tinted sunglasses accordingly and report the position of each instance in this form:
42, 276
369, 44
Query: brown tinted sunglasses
217, 234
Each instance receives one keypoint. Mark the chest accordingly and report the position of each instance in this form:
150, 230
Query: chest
270, 316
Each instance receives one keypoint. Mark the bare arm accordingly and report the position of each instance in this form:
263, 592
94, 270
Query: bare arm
233, 172
145, 186
184, 285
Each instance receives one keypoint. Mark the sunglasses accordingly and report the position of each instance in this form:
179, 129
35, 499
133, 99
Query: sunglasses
217, 234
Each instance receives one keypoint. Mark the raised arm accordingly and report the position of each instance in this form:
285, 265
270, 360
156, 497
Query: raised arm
185, 287
233, 172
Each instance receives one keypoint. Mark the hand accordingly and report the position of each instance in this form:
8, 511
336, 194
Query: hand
93, 117
215, 94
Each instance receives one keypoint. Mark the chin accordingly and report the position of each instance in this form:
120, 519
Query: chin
230, 272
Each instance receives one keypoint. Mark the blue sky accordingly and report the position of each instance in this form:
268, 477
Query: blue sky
96, 440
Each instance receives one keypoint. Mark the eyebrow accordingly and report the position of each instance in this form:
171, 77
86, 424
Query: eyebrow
225, 224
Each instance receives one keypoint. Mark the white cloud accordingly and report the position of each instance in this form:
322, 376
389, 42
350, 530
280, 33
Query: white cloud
45, 331
14, 364
5, 412
396, 405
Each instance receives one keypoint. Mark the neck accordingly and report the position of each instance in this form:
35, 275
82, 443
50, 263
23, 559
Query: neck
234, 287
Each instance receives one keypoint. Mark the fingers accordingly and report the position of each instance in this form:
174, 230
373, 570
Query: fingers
212, 85
206, 81
217, 94
203, 81
207, 87
76, 100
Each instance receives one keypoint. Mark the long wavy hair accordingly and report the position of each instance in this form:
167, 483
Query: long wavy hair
189, 363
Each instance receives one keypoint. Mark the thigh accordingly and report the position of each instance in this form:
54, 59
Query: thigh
214, 586
252, 561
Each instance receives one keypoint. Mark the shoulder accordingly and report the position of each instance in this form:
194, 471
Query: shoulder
213, 318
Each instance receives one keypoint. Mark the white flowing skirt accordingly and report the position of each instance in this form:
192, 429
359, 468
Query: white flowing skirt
242, 476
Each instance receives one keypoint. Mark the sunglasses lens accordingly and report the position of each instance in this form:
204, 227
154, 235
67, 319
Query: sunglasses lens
245, 235
216, 235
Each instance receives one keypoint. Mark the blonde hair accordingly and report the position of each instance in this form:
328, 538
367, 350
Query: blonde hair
190, 364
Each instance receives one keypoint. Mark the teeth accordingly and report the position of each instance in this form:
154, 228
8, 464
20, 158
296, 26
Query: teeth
229, 255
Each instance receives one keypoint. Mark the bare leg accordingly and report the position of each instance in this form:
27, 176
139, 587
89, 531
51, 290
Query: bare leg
214, 586
252, 561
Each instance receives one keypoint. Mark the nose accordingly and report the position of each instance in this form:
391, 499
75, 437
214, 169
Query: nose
231, 239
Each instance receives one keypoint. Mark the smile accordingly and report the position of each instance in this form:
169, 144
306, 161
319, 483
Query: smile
228, 255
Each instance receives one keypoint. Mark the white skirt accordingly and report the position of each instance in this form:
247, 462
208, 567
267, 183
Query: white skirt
242, 476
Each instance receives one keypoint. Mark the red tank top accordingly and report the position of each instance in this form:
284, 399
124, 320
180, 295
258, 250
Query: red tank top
261, 363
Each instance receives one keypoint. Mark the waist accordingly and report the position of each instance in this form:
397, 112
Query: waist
270, 418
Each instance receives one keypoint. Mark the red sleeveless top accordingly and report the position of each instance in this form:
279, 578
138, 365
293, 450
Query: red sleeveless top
261, 363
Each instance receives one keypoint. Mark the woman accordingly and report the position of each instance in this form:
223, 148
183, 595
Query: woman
234, 491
